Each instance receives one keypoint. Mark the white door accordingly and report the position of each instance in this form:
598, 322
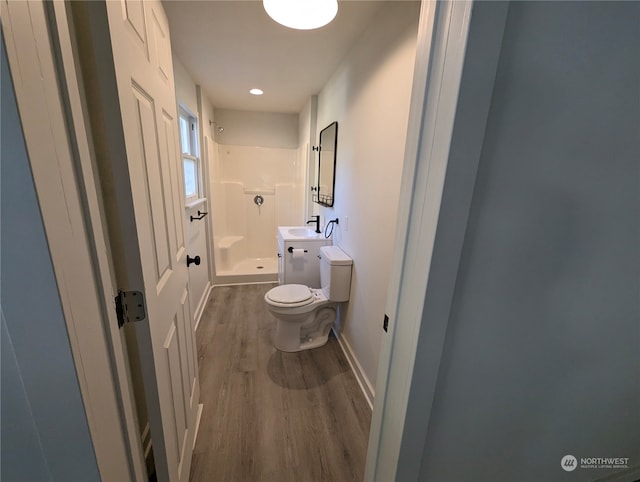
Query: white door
149, 201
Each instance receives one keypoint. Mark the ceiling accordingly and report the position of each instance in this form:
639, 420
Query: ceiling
229, 47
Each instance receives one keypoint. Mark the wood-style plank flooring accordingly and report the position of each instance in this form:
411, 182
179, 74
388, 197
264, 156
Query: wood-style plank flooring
269, 415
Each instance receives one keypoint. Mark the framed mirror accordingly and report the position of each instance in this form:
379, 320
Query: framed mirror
327, 164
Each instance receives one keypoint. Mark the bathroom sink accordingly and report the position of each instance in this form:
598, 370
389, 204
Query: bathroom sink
303, 232
299, 233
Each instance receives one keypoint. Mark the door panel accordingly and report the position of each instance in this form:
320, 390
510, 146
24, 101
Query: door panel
178, 415
133, 14
154, 189
163, 49
191, 368
184, 347
172, 187
151, 223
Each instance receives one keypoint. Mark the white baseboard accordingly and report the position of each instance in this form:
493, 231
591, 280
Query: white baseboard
145, 438
356, 368
198, 417
202, 304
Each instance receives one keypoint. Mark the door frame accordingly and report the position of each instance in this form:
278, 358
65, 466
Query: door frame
456, 63
41, 58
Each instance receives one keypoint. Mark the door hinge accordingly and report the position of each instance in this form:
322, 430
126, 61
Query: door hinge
130, 307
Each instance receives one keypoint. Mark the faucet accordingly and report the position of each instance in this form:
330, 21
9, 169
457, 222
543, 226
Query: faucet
317, 221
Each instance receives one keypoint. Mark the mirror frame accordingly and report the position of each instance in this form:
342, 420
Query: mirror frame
327, 199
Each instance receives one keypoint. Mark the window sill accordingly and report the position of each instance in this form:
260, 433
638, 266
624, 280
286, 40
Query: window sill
193, 204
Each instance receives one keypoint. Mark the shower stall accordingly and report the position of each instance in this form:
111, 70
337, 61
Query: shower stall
254, 190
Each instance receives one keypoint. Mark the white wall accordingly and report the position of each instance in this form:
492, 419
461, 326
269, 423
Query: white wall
258, 167
209, 154
243, 173
369, 97
260, 129
44, 430
307, 120
185, 87
188, 96
541, 356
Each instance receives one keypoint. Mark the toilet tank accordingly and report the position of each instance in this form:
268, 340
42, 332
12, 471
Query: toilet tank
335, 273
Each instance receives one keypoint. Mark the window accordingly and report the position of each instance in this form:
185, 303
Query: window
190, 159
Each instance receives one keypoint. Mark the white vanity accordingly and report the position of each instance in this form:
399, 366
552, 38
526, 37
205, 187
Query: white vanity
298, 251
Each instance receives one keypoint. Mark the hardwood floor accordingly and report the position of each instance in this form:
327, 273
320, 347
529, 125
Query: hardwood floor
269, 415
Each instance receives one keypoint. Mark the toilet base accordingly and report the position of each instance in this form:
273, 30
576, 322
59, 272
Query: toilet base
307, 345
297, 336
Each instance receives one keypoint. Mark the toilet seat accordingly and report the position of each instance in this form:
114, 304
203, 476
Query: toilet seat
289, 296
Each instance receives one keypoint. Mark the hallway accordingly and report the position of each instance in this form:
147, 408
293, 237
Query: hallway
269, 415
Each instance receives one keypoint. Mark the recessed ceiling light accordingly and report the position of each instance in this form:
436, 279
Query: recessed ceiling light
302, 14
256, 92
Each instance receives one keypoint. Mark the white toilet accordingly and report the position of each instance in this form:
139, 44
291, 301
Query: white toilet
305, 315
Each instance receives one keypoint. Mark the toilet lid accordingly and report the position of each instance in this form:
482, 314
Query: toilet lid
290, 295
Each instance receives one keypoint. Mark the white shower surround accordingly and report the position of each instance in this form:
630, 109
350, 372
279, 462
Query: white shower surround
245, 233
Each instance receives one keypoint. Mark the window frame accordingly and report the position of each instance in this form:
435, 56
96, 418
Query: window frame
190, 153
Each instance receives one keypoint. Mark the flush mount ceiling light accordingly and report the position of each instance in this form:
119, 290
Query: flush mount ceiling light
256, 92
302, 14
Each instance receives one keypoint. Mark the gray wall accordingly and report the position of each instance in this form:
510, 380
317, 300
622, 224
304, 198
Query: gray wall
256, 129
542, 351
369, 95
44, 431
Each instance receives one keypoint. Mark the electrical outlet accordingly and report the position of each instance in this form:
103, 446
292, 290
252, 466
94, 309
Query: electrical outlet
345, 224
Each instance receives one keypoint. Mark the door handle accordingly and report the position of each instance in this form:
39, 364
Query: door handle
195, 260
